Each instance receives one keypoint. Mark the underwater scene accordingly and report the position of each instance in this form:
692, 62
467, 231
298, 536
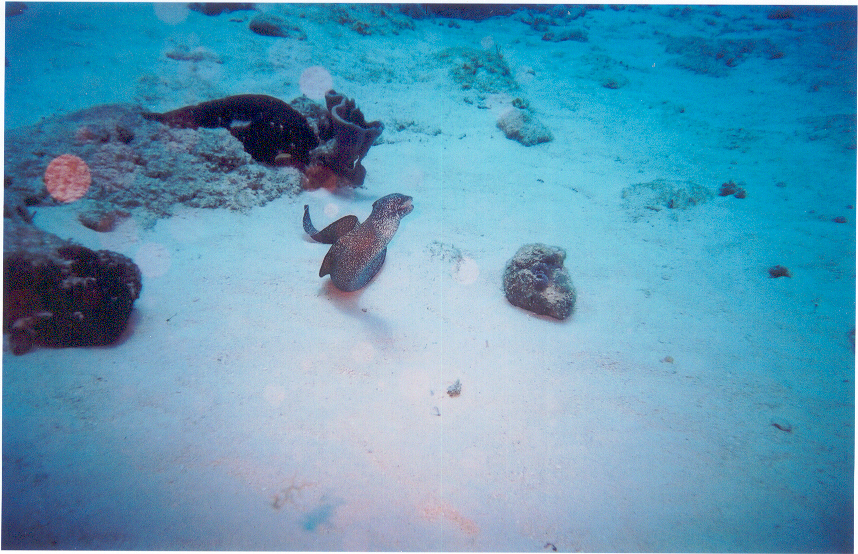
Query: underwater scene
428, 277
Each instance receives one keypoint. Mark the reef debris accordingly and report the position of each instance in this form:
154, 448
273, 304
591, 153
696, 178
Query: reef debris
663, 195
779, 271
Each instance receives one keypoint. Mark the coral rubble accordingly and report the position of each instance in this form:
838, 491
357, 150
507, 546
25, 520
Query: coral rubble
779, 271
270, 25
663, 195
728, 188
484, 71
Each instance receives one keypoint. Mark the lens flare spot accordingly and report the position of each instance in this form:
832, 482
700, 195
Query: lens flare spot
331, 210
274, 395
315, 81
67, 178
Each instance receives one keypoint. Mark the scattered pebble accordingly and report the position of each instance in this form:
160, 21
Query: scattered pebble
785, 427
270, 25
780, 13
839, 219
667, 359
455, 389
779, 271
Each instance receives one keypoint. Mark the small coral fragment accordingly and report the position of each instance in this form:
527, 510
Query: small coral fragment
100, 220
728, 188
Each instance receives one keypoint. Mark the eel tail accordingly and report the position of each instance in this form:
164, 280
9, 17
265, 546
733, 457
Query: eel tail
308, 225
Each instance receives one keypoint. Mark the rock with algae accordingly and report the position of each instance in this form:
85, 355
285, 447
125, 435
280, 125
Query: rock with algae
536, 280
522, 126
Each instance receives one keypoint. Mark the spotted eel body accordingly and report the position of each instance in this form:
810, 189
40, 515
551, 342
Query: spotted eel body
359, 249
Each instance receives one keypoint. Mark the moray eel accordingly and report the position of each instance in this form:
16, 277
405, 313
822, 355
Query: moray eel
359, 249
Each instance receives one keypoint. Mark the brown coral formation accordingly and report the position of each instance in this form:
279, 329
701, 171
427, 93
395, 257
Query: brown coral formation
731, 188
345, 137
57, 293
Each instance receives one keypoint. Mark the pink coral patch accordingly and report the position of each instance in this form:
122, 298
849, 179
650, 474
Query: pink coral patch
67, 178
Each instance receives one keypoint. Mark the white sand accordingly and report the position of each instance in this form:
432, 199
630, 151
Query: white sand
252, 406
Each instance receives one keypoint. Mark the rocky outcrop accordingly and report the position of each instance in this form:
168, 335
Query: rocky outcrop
141, 166
269, 128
